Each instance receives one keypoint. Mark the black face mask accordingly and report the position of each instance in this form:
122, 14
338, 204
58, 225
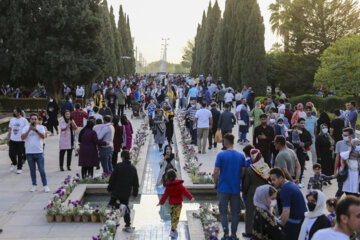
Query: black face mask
14, 115
311, 206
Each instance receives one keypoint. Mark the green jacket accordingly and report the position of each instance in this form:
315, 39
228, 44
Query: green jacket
121, 97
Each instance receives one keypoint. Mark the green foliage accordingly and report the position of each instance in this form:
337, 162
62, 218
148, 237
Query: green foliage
339, 68
171, 68
8, 103
187, 55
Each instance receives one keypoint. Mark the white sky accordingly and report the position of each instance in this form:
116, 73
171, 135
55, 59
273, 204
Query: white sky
152, 20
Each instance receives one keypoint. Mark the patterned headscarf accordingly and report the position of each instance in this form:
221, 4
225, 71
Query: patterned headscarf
262, 197
258, 164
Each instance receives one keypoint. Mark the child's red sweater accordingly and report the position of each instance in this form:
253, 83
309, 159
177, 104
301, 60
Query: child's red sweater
175, 190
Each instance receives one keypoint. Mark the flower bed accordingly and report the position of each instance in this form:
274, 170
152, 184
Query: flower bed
209, 222
192, 165
139, 141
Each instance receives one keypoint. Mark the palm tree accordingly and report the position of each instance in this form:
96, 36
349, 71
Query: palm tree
279, 20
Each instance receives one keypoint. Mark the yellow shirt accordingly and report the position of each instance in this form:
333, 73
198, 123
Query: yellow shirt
98, 101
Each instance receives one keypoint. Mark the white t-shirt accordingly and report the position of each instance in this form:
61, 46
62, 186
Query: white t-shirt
329, 234
33, 142
238, 108
228, 97
238, 96
17, 125
203, 116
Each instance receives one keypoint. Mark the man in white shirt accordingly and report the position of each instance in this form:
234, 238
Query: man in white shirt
16, 144
203, 122
347, 221
229, 97
33, 136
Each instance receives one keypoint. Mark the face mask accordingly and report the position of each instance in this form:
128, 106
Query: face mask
273, 203
272, 120
193, 105
281, 124
325, 130
346, 139
51, 100
168, 152
299, 131
357, 148
311, 206
166, 100
281, 115
14, 115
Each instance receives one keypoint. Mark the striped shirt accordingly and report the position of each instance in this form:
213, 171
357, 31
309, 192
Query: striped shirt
192, 112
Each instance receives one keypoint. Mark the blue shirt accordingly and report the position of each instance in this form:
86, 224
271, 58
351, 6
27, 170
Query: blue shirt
291, 197
310, 124
352, 118
231, 163
192, 92
137, 95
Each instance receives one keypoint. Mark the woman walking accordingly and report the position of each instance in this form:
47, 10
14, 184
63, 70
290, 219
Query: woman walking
52, 111
160, 128
265, 225
244, 124
167, 162
256, 175
255, 114
66, 142
117, 141
299, 113
88, 153
169, 125
325, 146
126, 132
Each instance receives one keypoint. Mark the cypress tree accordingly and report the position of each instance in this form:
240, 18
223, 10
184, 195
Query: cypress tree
117, 44
194, 67
130, 48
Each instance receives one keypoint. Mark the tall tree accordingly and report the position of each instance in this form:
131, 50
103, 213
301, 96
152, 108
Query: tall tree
118, 48
187, 55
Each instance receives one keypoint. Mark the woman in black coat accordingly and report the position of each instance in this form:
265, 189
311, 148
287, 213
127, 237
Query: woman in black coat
324, 118
315, 219
52, 111
325, 145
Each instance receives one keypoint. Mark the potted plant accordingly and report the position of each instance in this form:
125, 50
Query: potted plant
86, 212
102, 213
95, 213
58, 211
76, 205
68, 214
50, 212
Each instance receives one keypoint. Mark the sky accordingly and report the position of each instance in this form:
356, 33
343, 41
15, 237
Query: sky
152, 20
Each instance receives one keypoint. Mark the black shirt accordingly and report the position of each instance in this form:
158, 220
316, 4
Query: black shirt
112, 99
338, 125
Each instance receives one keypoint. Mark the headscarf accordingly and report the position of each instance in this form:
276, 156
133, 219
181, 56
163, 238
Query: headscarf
298, 114
318, 211
262, 197
258, 165
324, 118
314, 113
327, 135
258, 104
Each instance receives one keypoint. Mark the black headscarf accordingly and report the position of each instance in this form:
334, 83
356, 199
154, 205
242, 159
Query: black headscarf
324, 118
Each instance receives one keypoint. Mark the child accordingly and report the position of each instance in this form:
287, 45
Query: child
316, 182
295, 136
330, 206
175, 191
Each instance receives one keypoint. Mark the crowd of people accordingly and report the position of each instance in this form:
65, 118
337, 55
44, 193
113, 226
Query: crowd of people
266, 177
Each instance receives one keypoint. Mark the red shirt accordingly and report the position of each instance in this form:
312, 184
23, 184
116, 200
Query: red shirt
175, 190
78, 117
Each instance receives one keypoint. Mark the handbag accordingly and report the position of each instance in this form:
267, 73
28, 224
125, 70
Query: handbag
218, 137
343, 173
241, 123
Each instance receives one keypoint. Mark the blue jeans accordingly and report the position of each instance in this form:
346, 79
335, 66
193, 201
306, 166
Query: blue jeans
292, 230
243, 137
36, 158
193, 132
106, 159
182, 103
224, 199
339, 192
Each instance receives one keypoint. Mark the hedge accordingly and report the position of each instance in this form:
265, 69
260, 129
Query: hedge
8, 103
328, 104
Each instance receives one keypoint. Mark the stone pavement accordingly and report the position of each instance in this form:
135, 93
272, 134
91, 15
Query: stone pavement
22, 214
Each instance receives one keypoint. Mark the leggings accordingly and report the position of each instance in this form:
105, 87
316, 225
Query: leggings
87, 172
121, 110
62, 155
114, 159
175, 210
51, 127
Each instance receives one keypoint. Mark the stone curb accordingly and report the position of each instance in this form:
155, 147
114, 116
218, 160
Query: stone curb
196, 231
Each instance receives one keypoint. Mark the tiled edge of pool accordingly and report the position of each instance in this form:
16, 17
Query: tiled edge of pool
196, 231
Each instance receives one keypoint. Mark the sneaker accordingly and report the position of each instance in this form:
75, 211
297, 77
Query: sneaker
19, 171
233, 238
301, 185
12, 168
172, 234
33, 188
46, 189
128, 229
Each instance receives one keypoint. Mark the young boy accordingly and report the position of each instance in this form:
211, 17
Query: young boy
331, 206
316, 182
175, 190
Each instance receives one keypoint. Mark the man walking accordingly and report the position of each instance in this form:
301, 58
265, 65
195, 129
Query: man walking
15, 142
123, 183
263, 137
229, 169
105, 152
203, 122
292, 202
311, 127
192, 111
353, 116
215, 116
121, 97
111, 101
33, 136
226, 123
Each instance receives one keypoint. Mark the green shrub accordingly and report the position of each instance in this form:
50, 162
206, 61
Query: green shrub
8, 104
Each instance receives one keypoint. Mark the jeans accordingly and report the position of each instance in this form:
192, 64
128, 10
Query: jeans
211, 138
223, 133
202, 135
339, 192
114, 203
182, 103
16, 153
37, 158
224, 199
121, 109
292, 230
106, 159
302, 159
193, 132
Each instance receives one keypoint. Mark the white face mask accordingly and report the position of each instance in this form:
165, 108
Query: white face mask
272, 120
281, 124
273, 203
325, 130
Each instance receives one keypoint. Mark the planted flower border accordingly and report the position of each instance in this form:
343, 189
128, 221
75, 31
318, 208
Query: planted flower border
57, 209
192, 165
207, 215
